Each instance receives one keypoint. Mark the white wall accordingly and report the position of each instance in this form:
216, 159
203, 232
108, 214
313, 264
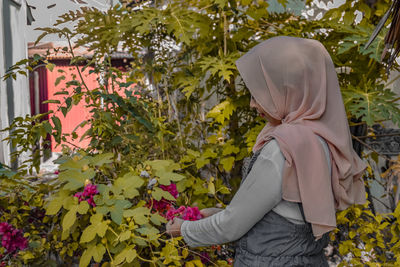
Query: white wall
4, 151
14, 94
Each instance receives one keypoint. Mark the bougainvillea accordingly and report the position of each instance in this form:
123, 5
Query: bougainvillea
12, 239
186, 213
88, 193
171, 189
163, 205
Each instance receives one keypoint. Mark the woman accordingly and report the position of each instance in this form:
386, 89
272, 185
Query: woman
303, 169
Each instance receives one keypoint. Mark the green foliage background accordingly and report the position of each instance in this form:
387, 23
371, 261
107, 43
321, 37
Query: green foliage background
191, 125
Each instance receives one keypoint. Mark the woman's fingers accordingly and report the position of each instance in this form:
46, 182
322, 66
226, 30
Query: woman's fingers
173, 227
209, 211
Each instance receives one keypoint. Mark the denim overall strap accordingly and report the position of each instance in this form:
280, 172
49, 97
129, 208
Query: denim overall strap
302, 211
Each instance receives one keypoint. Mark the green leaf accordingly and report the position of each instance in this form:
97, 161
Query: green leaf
128, 184
158, 193
69, 218
74, 163
167, 165
167, 176
125, 235
54, 206
200, 162
140, 215
47, 127
59, 79
50, 66
61, 93
117, 210
157, 219
224, 190
83, 207
151, 232
371, 103
95, 251
97, 226
85, 258
222, 111
223, 67
227, 163
57, 123
101, 159
128, 255
229, 149
209, 153
51, 102
88, 234
98, 252
75, 179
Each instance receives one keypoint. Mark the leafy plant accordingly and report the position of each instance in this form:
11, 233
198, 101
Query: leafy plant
186, 121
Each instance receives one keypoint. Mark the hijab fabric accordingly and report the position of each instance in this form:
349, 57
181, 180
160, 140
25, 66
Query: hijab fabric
294, 81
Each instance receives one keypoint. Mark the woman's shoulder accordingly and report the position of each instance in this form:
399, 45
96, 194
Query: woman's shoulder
271, 150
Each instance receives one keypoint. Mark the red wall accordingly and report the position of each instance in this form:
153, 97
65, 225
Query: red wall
78, 113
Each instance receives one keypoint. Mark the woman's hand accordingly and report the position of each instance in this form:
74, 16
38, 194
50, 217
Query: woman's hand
173, 227
209, 211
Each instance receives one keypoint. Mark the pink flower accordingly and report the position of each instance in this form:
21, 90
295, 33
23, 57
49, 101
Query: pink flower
12, 239
5, 227
192, 214
163, 204
186, 213
171, 189
88, 193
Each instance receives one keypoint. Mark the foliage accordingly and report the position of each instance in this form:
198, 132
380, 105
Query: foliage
184, 122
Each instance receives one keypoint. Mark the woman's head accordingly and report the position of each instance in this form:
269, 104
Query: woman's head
287, 77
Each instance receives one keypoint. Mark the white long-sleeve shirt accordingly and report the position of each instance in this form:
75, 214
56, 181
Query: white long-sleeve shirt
259, 193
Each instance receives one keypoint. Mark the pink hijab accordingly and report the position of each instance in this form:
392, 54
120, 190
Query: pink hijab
294, 80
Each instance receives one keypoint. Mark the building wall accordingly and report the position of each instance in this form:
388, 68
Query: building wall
14, 94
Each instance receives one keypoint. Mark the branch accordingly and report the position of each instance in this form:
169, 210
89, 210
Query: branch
370, 148
379, 135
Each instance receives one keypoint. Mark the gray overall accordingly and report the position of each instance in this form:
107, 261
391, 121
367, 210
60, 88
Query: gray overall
274, 241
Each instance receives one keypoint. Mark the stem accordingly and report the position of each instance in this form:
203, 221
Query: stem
225, 31
76, 65
380, 135
194, 252
377, 199
73, 144
363, 122
370, 148
112, 231
394, 100
143, 259
109, 254
392, 81
159, 115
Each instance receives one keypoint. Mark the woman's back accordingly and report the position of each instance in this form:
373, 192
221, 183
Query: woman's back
290, 210
281, 237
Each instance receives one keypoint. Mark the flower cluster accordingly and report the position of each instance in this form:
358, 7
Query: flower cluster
88, 194
186, 213
171, 189
12, 239
163, 205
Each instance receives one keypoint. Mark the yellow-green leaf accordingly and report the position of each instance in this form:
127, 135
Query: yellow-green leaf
69, 219
227, 163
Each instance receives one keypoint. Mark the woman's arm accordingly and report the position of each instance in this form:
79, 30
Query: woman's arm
257, 195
